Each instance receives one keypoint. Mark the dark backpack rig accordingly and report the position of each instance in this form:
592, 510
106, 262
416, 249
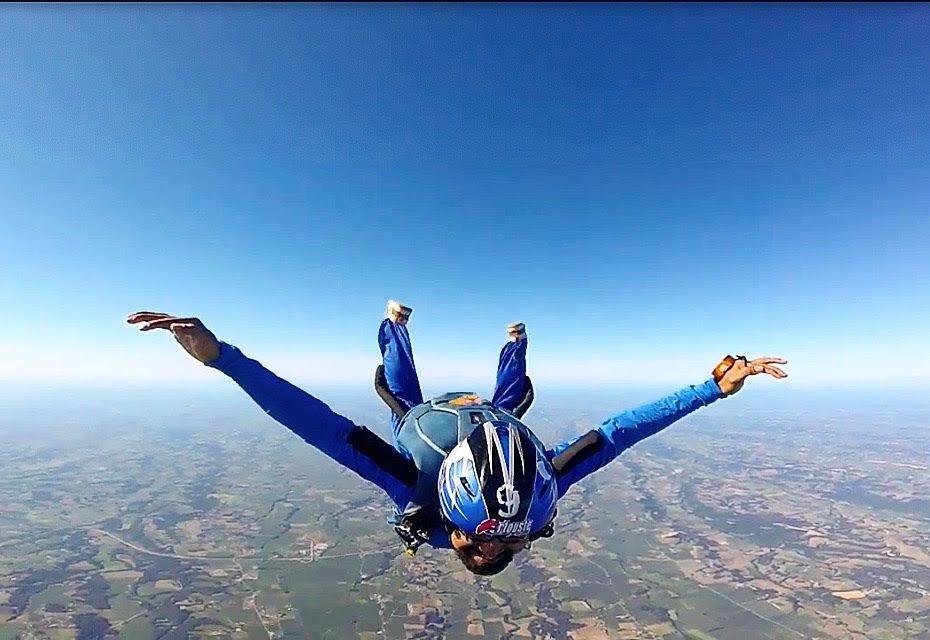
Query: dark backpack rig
422, 515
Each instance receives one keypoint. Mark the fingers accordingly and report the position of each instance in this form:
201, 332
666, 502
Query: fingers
765, 365
170, 322
156, 320
145, 316
157, 323
775, 372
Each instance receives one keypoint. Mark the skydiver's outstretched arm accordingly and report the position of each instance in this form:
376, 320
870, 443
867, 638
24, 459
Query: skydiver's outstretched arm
336, 436
579, 458
592, 451
513, 389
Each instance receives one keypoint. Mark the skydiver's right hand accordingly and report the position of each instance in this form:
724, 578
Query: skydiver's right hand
732, 373
190, 333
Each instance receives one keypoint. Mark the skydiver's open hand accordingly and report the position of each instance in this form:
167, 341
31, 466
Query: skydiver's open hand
190, 333
741, 368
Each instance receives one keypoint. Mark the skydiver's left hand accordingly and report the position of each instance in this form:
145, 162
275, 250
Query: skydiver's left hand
190, 333
733, 380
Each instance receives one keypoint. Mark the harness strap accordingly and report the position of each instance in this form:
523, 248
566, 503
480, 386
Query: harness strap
414, 528
382, 455
528, 397
586, 446
384, 392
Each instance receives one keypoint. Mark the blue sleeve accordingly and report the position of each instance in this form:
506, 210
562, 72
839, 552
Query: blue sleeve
621, 431
439, 539
307, 417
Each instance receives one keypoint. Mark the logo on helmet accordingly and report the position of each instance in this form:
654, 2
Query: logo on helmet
509, 499
504, 528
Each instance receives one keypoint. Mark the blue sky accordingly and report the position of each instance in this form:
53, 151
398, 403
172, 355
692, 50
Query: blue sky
647, 187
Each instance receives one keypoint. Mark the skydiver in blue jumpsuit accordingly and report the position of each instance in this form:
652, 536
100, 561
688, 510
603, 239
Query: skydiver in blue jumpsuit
390, 466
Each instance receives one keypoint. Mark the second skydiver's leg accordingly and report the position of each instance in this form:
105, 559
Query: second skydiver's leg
513, 386
400, 373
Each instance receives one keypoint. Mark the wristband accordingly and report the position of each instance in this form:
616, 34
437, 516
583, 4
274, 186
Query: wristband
725, 365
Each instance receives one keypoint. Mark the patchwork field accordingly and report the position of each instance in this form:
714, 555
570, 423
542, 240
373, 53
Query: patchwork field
762, 525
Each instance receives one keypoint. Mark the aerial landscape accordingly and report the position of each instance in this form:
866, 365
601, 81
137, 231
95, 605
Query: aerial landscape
228, 230
747, 522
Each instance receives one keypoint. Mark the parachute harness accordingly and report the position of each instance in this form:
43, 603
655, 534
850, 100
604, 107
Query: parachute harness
412, 538
414, 529
486, 485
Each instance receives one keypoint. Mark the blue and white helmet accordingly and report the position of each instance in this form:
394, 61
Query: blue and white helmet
497, 483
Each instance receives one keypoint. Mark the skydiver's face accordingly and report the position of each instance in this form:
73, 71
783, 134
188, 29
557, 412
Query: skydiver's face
485, 552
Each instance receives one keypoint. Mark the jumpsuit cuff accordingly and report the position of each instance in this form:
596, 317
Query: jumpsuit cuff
227, 358
709, 391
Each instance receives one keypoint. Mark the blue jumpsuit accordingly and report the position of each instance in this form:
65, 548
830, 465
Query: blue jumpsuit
336, 436
401, 373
